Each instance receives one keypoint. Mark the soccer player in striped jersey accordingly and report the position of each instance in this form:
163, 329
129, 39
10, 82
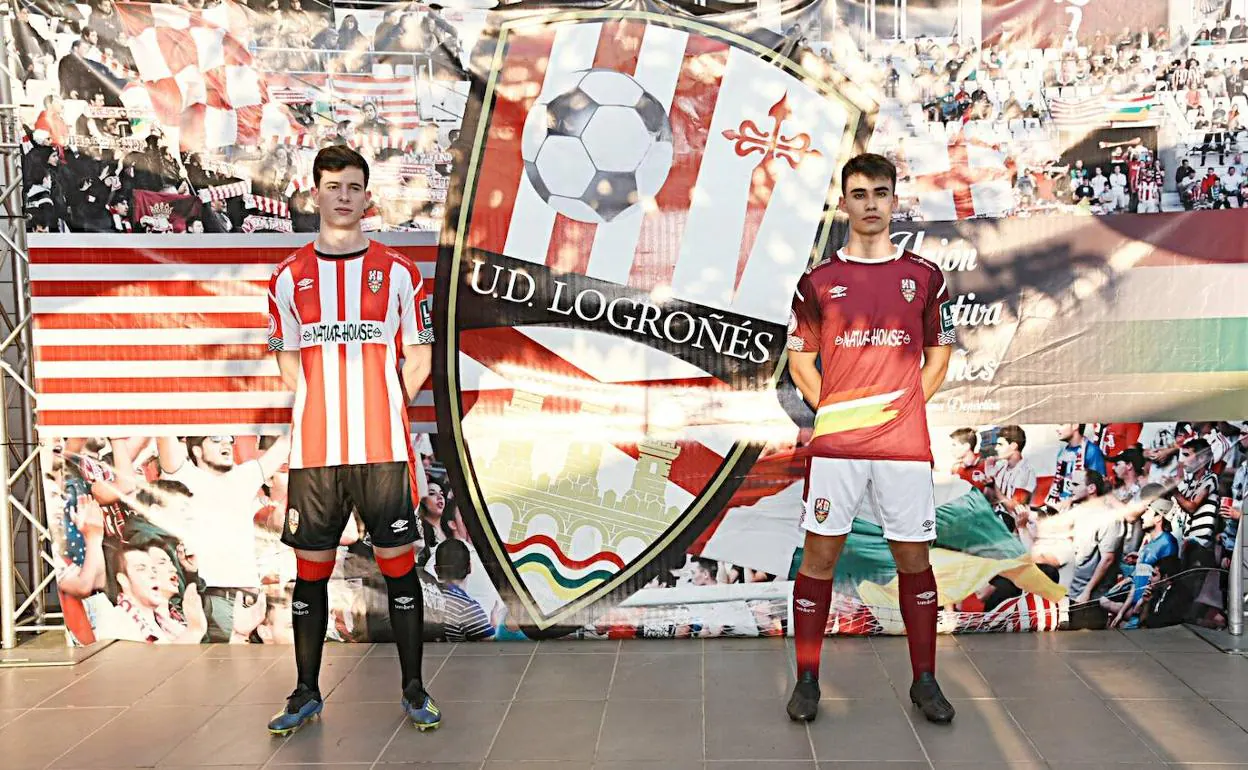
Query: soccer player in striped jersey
343, 313
880, 321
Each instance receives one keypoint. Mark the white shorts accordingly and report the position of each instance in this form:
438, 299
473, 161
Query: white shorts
901, 496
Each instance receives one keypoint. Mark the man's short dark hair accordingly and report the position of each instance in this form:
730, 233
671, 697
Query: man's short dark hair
1015, 435
1096, 480
336, 157
451, 560
871, 166
1198, 447
966, 436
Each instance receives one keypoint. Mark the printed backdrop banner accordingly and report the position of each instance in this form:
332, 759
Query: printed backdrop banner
611, 205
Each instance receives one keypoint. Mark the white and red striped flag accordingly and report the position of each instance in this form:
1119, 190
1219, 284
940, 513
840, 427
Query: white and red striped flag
153, 335
200, 76
965, 179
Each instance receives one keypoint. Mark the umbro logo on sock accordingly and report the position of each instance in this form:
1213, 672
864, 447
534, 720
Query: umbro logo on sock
399, 526
927, 597
804, 604
405, 602
300, 608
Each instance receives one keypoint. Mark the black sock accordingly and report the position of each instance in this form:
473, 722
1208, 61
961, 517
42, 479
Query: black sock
310, 611
407, 619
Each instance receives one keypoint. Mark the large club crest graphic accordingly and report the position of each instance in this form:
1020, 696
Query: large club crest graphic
640, 195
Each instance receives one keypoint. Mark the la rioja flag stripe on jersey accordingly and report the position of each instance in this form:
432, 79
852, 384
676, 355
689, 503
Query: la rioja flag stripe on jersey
642, 194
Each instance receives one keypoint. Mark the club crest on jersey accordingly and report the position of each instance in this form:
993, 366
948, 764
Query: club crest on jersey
908, 290
579, 487
374, 281
822, 507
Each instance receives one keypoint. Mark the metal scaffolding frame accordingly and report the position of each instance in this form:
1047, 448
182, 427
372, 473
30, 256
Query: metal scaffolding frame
26, 565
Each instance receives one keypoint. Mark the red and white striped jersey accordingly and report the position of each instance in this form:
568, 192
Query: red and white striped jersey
348, 316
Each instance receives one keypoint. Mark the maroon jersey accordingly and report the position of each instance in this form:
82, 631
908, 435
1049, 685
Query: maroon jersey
869, 322
975, 474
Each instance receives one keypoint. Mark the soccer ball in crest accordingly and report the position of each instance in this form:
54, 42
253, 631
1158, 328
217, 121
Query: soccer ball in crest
598, 148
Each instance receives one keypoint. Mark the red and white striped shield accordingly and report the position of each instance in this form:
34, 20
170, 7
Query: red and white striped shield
641, 195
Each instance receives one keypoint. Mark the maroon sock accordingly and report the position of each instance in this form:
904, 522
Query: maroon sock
811, 598
918, 611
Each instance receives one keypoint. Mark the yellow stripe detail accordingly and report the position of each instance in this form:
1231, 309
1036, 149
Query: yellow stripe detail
565, 594
853, 418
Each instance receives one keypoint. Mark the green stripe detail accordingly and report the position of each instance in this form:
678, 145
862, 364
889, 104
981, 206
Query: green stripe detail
566, 582
1197, 345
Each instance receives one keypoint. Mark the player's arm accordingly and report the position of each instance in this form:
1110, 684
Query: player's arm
416, 333
417, 363
806, 376
284, 327
288, 361
935, 367
805, 319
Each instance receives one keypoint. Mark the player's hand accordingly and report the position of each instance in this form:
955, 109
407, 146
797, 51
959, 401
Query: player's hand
89, 519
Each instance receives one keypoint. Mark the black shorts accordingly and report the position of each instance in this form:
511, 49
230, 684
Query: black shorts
320, 501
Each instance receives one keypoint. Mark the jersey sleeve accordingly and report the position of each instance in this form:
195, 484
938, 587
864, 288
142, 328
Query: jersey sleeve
938, 314
283, 322
805, 318
416, 313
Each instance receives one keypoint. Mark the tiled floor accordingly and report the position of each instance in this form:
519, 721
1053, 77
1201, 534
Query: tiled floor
1144, 699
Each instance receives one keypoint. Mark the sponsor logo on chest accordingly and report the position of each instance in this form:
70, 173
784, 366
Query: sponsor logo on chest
339, 332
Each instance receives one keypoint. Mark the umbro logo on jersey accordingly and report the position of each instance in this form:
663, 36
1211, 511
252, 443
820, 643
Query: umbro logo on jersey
399, 526
374, 281
838, 292
305, 284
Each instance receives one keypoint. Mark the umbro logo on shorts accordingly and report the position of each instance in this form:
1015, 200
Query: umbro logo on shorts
927, 525
399, 526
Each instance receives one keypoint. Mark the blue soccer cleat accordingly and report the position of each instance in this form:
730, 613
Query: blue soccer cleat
302, 706
426, 716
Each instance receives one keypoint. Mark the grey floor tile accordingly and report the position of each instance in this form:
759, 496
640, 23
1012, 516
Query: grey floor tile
651, 730
1214, 676
122, 682
1236, 711
215, 767
1021, 642
716, 645
656, 675
579, 647
1185, 731
477, 677
863, 730
1154, 765
744, 729
277, 681
891, 643
374, 680
1171, 639
567, 677
465, 735
491, 648
983, 731
26, 687
526, 733
140, 737
1078, 730
208, 681
234, 735
692, 646
1090, 641
8, 715
353, 734
434, 653
992, 766
958, 676
539, 765
40, 736
854, 645
1030, 675
640, 764
756, 675
865, 765
852, 676
1119, 675
328, 766
248, 650
347, 649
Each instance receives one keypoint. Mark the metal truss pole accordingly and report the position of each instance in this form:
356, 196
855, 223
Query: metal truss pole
1235, 608
25, 557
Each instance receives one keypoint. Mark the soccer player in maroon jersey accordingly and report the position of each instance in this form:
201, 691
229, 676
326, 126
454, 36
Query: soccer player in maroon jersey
879, 321
343, 311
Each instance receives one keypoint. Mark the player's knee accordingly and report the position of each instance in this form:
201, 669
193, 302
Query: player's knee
819, 555
910, 557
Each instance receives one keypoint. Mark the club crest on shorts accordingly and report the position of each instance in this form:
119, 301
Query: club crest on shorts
576, 474
292, 520
908, 289
374, 281
822, 507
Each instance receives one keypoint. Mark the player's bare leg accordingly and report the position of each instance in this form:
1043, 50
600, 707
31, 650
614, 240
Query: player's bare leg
812, 595
310, 611
919, 609
407, 605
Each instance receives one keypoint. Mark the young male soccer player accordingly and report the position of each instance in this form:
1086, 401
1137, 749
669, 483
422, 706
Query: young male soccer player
341, 310
880, 321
